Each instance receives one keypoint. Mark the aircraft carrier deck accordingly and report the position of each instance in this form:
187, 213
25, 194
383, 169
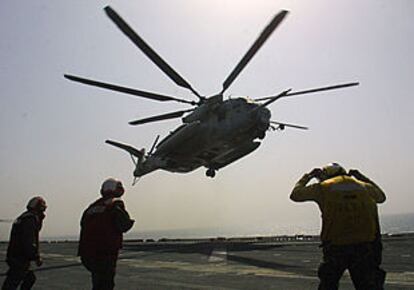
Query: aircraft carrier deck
259, 263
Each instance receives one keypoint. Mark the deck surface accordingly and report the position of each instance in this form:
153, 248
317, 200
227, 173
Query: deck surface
218, 265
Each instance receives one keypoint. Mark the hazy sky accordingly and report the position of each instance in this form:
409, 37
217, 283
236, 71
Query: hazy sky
53, 130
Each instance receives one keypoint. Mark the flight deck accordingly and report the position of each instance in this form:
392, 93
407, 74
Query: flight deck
214, 264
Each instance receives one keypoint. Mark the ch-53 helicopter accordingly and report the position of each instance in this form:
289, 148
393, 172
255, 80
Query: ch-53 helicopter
216, 132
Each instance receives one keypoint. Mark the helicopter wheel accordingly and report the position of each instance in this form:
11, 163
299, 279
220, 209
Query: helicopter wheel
210, 172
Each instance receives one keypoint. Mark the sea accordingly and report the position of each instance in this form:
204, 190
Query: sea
390, 224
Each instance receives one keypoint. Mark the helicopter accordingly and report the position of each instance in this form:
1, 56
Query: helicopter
215, 132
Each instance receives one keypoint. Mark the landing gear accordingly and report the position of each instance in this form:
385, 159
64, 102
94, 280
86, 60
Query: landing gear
210, 172
261, 135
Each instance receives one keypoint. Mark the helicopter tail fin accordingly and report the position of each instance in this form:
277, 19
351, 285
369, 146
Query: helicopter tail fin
131, 150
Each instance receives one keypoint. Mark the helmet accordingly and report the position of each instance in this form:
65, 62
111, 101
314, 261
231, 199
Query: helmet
112, 187
37, 204
332, 170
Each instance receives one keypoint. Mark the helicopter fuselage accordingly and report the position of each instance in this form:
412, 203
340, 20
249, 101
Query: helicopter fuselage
214, 135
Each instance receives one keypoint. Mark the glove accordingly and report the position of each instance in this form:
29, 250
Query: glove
316, 172
119, 203
358, 175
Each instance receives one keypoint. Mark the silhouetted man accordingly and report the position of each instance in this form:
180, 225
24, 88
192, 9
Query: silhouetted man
350, 227
102, 226
24, 246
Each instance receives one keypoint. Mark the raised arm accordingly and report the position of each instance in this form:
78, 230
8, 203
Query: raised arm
123, 221
303, 192
376, 192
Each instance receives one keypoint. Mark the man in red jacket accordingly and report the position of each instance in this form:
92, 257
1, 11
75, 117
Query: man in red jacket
102, 226
24, 246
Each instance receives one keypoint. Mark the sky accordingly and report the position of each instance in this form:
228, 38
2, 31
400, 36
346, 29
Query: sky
53, 130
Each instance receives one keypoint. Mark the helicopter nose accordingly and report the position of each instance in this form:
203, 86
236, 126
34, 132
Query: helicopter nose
264, 115
263, 119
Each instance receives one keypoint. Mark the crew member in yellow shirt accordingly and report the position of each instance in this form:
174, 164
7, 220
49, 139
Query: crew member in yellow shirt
350, 232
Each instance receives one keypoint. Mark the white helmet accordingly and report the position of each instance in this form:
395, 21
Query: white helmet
112, 187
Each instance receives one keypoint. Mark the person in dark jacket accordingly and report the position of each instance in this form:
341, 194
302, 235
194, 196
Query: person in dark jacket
24, 246
102, 226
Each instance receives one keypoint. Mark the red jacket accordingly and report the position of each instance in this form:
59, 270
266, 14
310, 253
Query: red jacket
100, 236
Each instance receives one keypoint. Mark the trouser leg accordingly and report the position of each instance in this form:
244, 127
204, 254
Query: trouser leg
11, 283
106, 269
380, 273
103, 281
28, 281
89, 265
368, 276
363, 268
95, 281
103, 272
331, 269
328, 277
15, 275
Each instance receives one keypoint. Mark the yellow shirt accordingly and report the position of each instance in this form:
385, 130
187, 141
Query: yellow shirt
348, 207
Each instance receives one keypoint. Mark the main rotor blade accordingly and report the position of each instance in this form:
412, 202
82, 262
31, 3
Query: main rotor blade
254, 48
312, 91
147, 50
148, 95
160, 117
